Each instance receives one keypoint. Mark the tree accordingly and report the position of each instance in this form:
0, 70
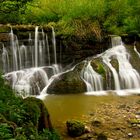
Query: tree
10, 10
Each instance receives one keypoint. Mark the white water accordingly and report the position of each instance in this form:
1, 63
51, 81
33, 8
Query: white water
54, 45
5, 59
14, 45
125, 78
36, 46
92, 79
23, 56
28, 76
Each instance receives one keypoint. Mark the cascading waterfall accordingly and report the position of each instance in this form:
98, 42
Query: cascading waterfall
48, 50
125, 78
36, 46
54, 45
30, 65
5, 59
23, 56
92, 79
14, 44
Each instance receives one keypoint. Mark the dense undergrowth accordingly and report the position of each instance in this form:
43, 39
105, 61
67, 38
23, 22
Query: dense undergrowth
109, 16
19, 119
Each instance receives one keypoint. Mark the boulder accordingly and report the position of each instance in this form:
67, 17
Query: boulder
37, 113
75, 128
68, 82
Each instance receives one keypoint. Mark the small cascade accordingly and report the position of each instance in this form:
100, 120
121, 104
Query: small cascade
135, 49
54, 45
48, 50
36, 46
32, 80
92, 79
116, 40
127, 77
23, 56
14, 45
124, 76
5, 60
106, 59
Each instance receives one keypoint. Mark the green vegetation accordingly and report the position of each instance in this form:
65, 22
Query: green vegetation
22, 119
108, 16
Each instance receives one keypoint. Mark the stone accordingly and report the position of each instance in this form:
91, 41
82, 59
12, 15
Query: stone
75, 128
101, 136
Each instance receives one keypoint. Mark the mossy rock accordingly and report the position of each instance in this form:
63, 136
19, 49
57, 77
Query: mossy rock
37, 113
75, 128
68, 82
115, 64
101, 136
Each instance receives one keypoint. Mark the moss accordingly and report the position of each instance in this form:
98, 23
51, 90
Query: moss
115, 64
75, 128
101, 70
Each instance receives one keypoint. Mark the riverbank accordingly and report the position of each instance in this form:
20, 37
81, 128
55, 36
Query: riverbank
117, 117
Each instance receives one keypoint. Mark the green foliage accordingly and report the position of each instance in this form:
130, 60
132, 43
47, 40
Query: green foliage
19, 118
5, 131
112, 16
47, 135
11, 10
101, 70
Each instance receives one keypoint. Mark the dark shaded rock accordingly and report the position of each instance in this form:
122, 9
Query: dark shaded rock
96, 123
101, 136
68, 82
75, 128
37, 113
86, 137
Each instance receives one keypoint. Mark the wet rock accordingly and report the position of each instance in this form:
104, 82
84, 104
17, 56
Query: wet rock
68, 82
37, 113
75, 128
87, 129
101, 136
87, 137
130, 135
96, 123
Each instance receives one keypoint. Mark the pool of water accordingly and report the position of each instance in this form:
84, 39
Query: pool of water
65, 107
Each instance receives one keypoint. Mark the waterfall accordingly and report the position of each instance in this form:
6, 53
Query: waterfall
27, 65
36, 46
5, 60
54, 45
127, 77
92, 79
106, 59
124, 77
116, 40
23, 56
13, 44
30, 64
48, 50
